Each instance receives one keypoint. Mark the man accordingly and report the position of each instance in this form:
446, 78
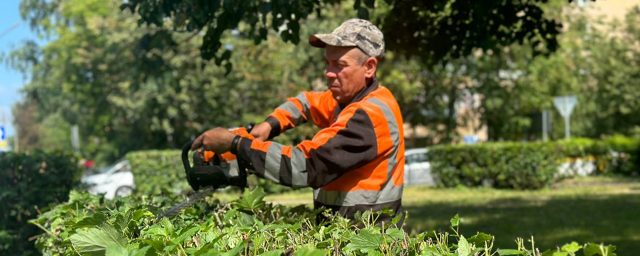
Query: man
356, 162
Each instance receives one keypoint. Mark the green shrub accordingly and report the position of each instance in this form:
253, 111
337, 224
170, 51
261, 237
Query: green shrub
29, 183
501, 165
578, 147
530, 165
614, 154
158, 172
248, 226
622, 155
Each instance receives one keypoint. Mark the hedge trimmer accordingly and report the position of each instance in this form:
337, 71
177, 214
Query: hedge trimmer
210, 172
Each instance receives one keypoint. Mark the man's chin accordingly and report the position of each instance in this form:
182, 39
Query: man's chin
336, 96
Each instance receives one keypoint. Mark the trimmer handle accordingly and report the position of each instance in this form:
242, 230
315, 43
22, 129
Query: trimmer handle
189, 170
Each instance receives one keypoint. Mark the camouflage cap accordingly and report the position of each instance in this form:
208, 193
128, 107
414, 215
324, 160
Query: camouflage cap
354, 32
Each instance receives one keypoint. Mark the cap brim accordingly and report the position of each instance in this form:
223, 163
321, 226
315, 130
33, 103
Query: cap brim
322, 40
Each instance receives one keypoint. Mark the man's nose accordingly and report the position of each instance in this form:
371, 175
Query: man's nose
330, 73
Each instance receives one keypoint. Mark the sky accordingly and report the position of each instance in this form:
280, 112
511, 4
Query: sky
11, 81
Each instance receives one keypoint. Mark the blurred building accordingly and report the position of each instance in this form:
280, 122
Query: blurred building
608, 9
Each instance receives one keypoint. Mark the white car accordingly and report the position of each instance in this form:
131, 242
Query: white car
115, 180
417, 170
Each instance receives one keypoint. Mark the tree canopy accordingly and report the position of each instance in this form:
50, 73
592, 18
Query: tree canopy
432, 30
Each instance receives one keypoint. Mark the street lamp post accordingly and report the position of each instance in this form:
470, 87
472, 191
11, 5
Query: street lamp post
14, 26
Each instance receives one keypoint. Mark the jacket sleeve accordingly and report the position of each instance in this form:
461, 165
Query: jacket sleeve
347, 144
317, 106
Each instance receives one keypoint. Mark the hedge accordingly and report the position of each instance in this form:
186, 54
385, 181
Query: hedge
501, 165
529, 165
90, 225
31, 183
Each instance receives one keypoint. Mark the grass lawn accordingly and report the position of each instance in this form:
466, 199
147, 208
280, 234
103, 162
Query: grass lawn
594, 209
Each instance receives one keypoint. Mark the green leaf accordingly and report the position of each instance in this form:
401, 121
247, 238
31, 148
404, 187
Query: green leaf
122, 221
167, 225
365, 241
96, 219
186, 234
237, 249
548, 253
310, 251
116, 250
144, 251
591, 249
211, 253
273, 253
156, 244
375, 253
479, 239
455, 221
205, 249
397, 218
395, 233
502, 252
137, 214
464, 249
276, 226
430, 251
251, 200
572, 247
157, 231
95, 241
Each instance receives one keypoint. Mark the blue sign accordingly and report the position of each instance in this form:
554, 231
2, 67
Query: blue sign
3, 139
470, 139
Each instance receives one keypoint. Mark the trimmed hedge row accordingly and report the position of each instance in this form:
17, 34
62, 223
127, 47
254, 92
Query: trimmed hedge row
529, 165
31, 183
90, 225
502, 165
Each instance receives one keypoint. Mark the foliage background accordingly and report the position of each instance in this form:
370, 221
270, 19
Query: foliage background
53, 174
131, 85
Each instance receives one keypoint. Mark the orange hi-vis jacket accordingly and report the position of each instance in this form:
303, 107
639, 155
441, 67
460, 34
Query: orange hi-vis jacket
355, 163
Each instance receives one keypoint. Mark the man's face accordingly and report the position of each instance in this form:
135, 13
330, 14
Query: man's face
345, 73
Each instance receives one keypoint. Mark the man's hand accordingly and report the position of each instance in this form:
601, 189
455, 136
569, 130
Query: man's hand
261, 131
217, 140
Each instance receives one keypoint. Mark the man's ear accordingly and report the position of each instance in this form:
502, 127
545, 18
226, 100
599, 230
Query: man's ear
371, 65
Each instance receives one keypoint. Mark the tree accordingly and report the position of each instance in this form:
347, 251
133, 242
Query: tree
98, 75
595, 62
433, 30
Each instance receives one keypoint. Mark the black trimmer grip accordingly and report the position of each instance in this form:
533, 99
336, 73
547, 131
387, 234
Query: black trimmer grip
250, 126
185, 160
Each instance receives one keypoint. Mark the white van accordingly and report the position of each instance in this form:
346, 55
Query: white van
115, 180
417, 170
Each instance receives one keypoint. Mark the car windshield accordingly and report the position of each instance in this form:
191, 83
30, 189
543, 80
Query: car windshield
416, 158
109, 168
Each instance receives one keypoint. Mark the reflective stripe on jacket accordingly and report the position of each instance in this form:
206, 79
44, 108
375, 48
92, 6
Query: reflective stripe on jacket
355, 163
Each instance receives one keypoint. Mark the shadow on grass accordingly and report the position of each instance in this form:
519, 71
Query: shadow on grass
608, 219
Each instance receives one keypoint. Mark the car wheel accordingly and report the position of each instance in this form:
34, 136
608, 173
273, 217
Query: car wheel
124, 191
